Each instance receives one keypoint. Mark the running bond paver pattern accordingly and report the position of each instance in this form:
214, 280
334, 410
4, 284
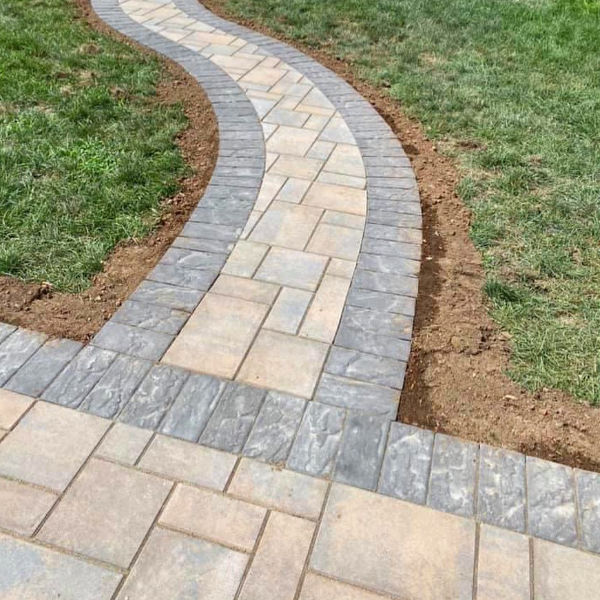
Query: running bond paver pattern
296, 278
182, 521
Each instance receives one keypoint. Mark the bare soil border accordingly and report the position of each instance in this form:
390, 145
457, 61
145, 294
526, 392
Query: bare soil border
79, 316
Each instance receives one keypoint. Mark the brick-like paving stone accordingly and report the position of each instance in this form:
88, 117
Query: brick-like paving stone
239, 440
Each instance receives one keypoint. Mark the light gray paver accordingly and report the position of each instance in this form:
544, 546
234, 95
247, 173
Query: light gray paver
16, 349
275, 427
193, 407
154, 396
452, 480
551, 501
501, 499
116, 386
79, 377
230, 423
316, 446
30, 572
588, 497
39, 371
407, 463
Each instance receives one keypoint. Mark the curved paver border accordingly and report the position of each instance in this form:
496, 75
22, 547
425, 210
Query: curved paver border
491, 485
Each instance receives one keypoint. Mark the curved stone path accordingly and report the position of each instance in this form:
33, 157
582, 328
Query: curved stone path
233, 437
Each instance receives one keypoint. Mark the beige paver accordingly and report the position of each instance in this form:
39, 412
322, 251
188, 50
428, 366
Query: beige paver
346, 160
210, 38
22, 507
12, 406
245, 289
288, 311
561, 573
124, 443
285, 363
341, 268
214, 516
323, 316
277, 488
292, 268
335, 241
347, 180
271, 184
188, 462
317, 587
293, 190
175, 566
337, 197
245, 258
3, 432
286, 225
217, 335
279, 560
291, 140
266, 76
394, 547
31, 572
333, 217
337, 131
503, 566
296, 166
63, 440
107, 512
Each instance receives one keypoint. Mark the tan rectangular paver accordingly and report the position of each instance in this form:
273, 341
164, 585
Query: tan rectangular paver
245, 258
282, 362
562, 573
324, 314
291, 140
292, 268
348, 180
173, 565
346, 160
333, 217
391, 546
49, 445
503, 566
281, 489
23, 507
216, 517
288, 311
296, 166
338, 242
286, 225
124, 443
267, 76
317, 587
245, 289
12, 406
107, 512
188, 462
279, 560
217, 335
341, 268
268, 190
337, 197
30, 572
293, 190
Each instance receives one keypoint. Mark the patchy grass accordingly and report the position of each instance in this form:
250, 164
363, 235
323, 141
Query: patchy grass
86, 153
511, 88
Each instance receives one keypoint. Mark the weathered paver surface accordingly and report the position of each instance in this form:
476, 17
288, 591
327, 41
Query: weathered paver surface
229, 433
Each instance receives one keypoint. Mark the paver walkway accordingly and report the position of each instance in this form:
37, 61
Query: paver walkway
229, 434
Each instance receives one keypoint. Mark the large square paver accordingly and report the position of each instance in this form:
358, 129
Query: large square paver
107, 512
561, 573
174, 566
214, 516
337, 197
291, 140
292, 268
390, 546
30, 572
22, 507
217, 336
286, 225
49, 445
285, 363
338, 242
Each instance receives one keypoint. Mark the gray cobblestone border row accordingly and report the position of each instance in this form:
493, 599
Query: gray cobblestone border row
492, 485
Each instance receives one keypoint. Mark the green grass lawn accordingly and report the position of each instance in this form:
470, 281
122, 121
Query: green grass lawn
519, 80
85, 153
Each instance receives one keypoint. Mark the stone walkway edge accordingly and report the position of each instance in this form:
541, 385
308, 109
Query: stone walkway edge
336, 435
